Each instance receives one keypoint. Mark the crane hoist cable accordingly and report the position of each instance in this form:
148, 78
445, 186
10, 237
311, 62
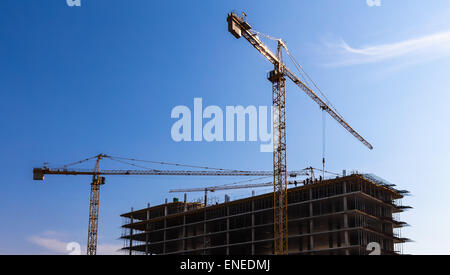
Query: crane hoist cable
304, 75
124, 160
132, 164
147, 168
180, 165
323, 142
308, 80
303, 72
80, 161
172, 164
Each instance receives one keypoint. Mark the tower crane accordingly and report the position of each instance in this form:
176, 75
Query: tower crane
309, 171
239, 27
232, 186
221, 187
98, 180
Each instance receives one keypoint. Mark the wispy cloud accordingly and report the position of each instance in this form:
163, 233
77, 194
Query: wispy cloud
52, 244
422, 49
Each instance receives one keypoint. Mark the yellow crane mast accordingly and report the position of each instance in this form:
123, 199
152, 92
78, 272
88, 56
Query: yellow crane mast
239, 27
94, 208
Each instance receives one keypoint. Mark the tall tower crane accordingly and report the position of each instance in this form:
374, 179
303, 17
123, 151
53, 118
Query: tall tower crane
239, 27
98, 180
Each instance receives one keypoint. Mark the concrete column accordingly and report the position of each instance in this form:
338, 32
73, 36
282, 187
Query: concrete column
228, 230
131, 233
346, 237
165, 230
311, 222
147, 230
253, 225
204, 231
184, 232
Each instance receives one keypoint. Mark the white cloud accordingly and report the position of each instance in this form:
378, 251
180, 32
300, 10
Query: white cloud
415, 50
374, 3
52, 244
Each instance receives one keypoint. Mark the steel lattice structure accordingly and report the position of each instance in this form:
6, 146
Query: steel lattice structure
239, 27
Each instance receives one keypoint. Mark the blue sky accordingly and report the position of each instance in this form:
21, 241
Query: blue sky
104, 77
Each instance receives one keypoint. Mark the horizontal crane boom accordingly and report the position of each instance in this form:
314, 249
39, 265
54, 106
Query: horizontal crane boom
217, 188
38, 173
224, 187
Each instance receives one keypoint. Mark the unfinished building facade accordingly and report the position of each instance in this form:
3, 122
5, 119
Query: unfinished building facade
339, 216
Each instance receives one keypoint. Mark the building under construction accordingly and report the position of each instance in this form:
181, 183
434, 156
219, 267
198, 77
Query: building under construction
340, 216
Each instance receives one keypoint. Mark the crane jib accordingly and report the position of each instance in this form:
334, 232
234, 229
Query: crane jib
252, 38
39, 173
